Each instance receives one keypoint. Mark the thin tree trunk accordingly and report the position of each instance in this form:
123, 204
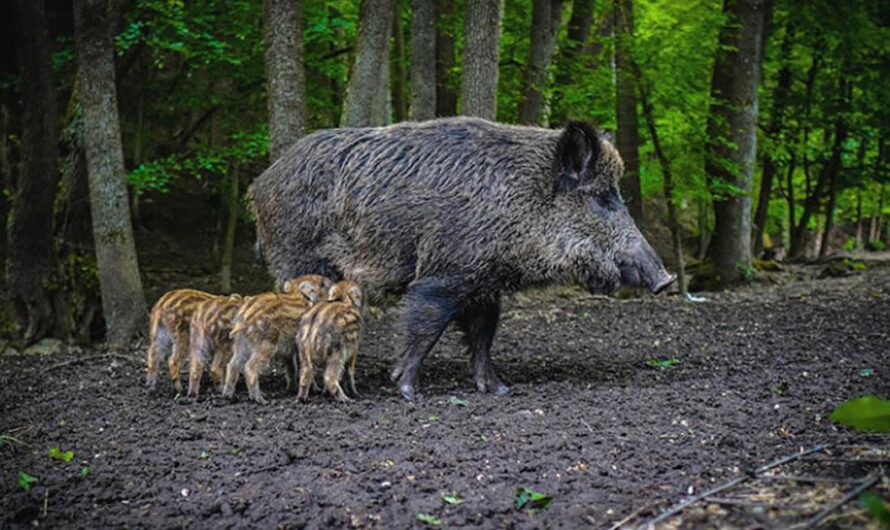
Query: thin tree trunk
423, 60
792, 220
732, 139
361, 107
829, 215
30, 222
704, 232
399, 74
479, 76
6, 181
546, 16
577, 35
231, 225
628, 136
667, 176
446, 95
859, 219
285, 77
777, 115
123, 302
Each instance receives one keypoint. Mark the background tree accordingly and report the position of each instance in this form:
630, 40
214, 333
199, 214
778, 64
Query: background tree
123, 302
546, 17
285, 79
446, 94
363, 91
423, 60
732, 147
479, 74
627, 139
30, 222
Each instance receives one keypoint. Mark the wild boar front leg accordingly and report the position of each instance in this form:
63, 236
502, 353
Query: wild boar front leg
479, 323
254, 367
430, 304
180, 351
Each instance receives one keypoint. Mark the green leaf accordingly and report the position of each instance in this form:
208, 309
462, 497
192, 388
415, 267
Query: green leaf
204, 455
866, 413
531, 499
876, 508
452, 499
434, 418
454, 400
663, 363
431, 520
84, 471
26, 481
237, 451
55, 452
866, 372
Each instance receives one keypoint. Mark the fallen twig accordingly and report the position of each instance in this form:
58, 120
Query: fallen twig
88, 358
850, 495
633, 514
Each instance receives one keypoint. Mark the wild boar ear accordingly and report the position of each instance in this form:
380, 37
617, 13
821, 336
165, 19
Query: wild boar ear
577, 150
355, 293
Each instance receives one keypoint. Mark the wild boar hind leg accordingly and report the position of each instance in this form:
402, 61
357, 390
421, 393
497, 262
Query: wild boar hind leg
479, 322
430, 304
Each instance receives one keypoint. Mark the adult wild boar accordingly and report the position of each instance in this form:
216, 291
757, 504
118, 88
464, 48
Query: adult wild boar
453, 213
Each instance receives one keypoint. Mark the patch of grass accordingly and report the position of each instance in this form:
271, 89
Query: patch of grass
876, 508
431, 520
26, 481
532, 500
454, 400
55, 452
453, 499
667, 362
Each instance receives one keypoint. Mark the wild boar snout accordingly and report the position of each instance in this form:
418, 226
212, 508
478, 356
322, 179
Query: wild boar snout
641, 267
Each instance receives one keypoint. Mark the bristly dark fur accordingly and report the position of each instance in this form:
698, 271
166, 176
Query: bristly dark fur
453, 213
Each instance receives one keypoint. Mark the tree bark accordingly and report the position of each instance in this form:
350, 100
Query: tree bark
479, 76
667, 177
30, 223
399, 73
777, 119
546, 16
363, 90
285, 77
423, 60
628, 137
446, 95
231, 225
732, 139
123, 301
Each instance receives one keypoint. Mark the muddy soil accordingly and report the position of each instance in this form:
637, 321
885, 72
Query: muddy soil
593, 420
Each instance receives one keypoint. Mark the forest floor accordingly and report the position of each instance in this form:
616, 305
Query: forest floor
617, 407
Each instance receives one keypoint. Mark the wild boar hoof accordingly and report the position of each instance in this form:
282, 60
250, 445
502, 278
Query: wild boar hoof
407, 391
396, 372
259, 398
492, 384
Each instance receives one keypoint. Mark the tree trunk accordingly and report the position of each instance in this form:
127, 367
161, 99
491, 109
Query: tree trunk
859, 219
577, 35
777, 118
231, 225
371, 59
423, 60
30, 223
667, 176
789, 175
399, 73
829, 215
479, 77
546, 16
382, 103
628, 138
123, 302
732, 139
446, 95
285, 78
6, 181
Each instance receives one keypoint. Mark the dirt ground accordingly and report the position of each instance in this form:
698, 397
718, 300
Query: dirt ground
592, 420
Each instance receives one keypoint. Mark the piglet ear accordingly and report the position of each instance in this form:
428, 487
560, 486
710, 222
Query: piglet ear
309, 290
355, 293
577, 151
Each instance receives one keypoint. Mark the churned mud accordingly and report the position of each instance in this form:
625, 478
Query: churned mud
615, 404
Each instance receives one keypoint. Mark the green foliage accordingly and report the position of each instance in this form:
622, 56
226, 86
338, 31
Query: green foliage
876, 508
866, 413
453, 499
55, 452
663, 363
26, 481
454, 400
532, 500
431, 520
